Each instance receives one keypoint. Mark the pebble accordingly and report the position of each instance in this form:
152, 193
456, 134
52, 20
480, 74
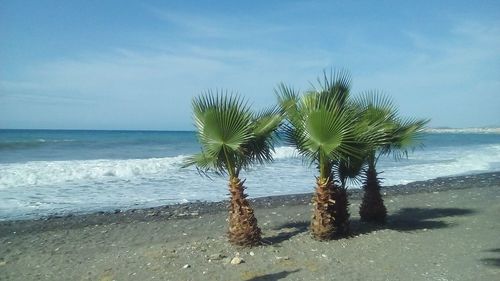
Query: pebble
237, 260
251, 254
186, 266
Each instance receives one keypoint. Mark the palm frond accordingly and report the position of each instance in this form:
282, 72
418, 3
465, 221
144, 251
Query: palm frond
267, 121
406, 135
224, 123
261, 147
382, 105
349, 170
232, 137
205, 164
334, 85
287, 100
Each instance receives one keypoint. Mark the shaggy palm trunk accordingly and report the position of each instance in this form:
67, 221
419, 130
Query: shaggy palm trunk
243, 229
341, 211
372, 207
323, 221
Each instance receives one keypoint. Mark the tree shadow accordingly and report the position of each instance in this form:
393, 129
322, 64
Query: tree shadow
492, 261
497, 250
284, 234
412, 219
273, 276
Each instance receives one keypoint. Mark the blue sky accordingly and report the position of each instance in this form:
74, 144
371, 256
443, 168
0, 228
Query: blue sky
137, 64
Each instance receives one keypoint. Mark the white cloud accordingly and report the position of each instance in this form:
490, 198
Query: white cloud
454, 78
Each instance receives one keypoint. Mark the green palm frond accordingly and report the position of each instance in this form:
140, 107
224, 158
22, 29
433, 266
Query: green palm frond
335, 85
382, 105
406, 134
266, 121
350, 170
322, 130
328, 130
224, 123
376, 115
287, 100
204, 164
232, 137
261, 147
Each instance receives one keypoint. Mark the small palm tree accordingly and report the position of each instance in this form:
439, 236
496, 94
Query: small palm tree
398, 137
322, 125
233, 138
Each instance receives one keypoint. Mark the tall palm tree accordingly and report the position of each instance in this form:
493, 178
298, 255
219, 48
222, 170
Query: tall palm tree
400, 135
322, 125
233, 138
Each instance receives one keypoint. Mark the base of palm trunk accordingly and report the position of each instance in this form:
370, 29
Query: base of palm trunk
323, 222
243, 229
372, 207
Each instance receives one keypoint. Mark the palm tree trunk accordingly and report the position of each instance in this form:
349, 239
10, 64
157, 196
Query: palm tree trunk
341, 209
322, 223
243, 229
372, 207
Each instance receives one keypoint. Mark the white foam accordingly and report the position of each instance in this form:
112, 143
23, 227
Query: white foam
451, 161
284, 152
40, 173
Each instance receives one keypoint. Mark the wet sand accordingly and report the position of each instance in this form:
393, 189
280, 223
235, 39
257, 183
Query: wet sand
444, 229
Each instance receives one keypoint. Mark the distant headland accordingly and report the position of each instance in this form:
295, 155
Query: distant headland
479, 130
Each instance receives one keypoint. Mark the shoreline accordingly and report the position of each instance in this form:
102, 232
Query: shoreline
196, 209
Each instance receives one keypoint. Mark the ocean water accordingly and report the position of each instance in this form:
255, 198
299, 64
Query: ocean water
45, 172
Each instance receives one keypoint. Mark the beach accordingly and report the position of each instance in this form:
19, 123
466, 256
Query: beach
441, 229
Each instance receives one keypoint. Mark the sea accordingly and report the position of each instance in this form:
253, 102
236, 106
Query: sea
60, 172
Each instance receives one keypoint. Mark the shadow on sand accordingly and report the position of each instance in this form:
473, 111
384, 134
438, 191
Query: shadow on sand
412, 219
495, 262
406, 219
273, 276
288, 230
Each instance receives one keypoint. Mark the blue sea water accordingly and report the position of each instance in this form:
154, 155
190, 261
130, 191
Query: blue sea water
45, 172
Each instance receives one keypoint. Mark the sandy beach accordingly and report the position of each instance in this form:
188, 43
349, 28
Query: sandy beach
443, 229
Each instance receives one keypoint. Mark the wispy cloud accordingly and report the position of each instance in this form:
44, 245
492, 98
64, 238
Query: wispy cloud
216, 26
442, 77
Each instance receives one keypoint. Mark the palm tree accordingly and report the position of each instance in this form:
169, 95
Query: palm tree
322, 125
399, 136
233, 138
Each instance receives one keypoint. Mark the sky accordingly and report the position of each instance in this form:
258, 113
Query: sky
138, 64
